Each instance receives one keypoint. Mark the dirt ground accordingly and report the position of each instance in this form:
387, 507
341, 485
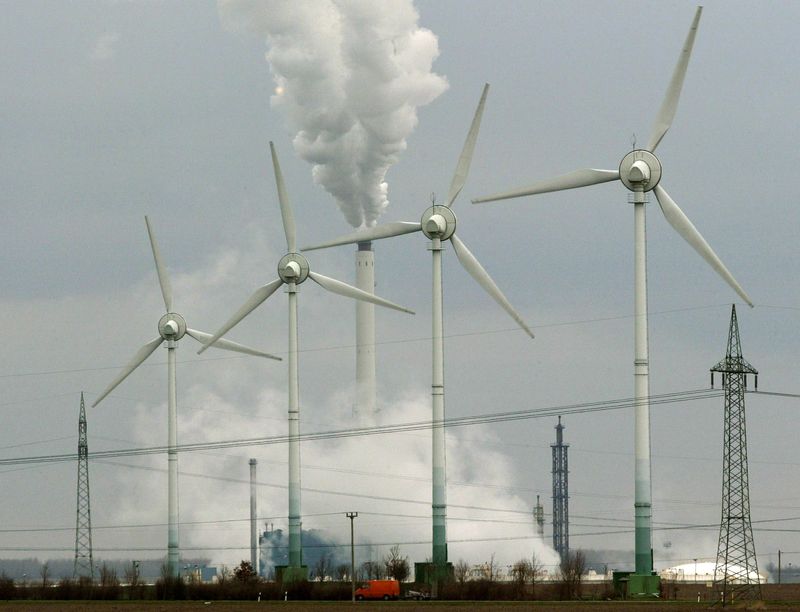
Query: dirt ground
398, 606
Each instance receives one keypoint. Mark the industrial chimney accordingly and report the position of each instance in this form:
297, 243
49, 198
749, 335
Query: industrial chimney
253, 528
560, 494
365, 406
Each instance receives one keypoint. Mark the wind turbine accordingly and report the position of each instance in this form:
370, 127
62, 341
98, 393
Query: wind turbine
640, 172
293, 269
438, 223
171, 328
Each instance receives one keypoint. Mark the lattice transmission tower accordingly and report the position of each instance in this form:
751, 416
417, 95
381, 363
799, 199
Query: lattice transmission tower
736, 573
84, 565
560, 494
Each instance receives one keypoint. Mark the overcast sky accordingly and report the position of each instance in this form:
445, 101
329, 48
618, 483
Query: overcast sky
114, 110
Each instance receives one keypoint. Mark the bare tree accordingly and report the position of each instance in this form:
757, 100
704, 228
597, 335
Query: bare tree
108, 576
520, 572
323, 567
492, 571
525, 572
167, 584
342, 572
461, 571
537, 572
572, 569
109, 583
44, 572
397, 566
132, 574
372, 570
224, 575
8, 589
133, 579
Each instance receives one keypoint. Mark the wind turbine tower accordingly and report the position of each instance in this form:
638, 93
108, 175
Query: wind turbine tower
171, 328
640, 172
438, 224
84, 565
736, 574
560, 494
293, 270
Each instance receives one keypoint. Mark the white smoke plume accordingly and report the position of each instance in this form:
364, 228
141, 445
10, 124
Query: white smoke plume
349, 75
386, 478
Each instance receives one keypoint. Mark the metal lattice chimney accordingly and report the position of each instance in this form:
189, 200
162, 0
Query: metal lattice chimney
560, 493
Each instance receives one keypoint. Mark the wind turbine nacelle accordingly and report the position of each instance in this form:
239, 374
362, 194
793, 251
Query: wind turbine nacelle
293, 268
438, 222
640, 170
172, 326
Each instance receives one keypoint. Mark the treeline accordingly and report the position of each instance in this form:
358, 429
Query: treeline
523, 582
31, 570
252, 590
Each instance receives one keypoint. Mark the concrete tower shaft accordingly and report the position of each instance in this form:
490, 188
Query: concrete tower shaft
366, 392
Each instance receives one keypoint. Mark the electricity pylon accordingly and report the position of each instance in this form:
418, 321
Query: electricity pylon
84, 565
736, 573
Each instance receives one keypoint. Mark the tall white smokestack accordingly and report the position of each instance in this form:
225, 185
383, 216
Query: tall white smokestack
253, 528
365, 406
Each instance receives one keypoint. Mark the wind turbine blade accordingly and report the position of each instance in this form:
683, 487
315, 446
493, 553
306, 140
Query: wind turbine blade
477, 272
335, 286
142, 354
387, 230
571, 180
464, 161
254, 301
286, 207
680, 222
222, 343
161, 270
670, 104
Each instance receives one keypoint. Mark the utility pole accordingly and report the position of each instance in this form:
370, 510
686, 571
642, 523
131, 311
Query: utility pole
736, 572
83, 565
351, 516
779, 566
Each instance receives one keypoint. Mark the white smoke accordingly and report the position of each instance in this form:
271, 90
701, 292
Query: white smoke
225, 396
349, 77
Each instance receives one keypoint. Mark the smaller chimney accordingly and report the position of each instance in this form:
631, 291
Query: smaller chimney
253, 528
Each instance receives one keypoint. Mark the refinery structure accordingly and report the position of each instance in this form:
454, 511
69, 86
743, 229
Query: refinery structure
318, 458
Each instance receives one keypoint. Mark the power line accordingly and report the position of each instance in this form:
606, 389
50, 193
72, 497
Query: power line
775, 393
581, 408
522, 537
417, 339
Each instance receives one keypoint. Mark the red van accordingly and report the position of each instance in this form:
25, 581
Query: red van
379, 589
